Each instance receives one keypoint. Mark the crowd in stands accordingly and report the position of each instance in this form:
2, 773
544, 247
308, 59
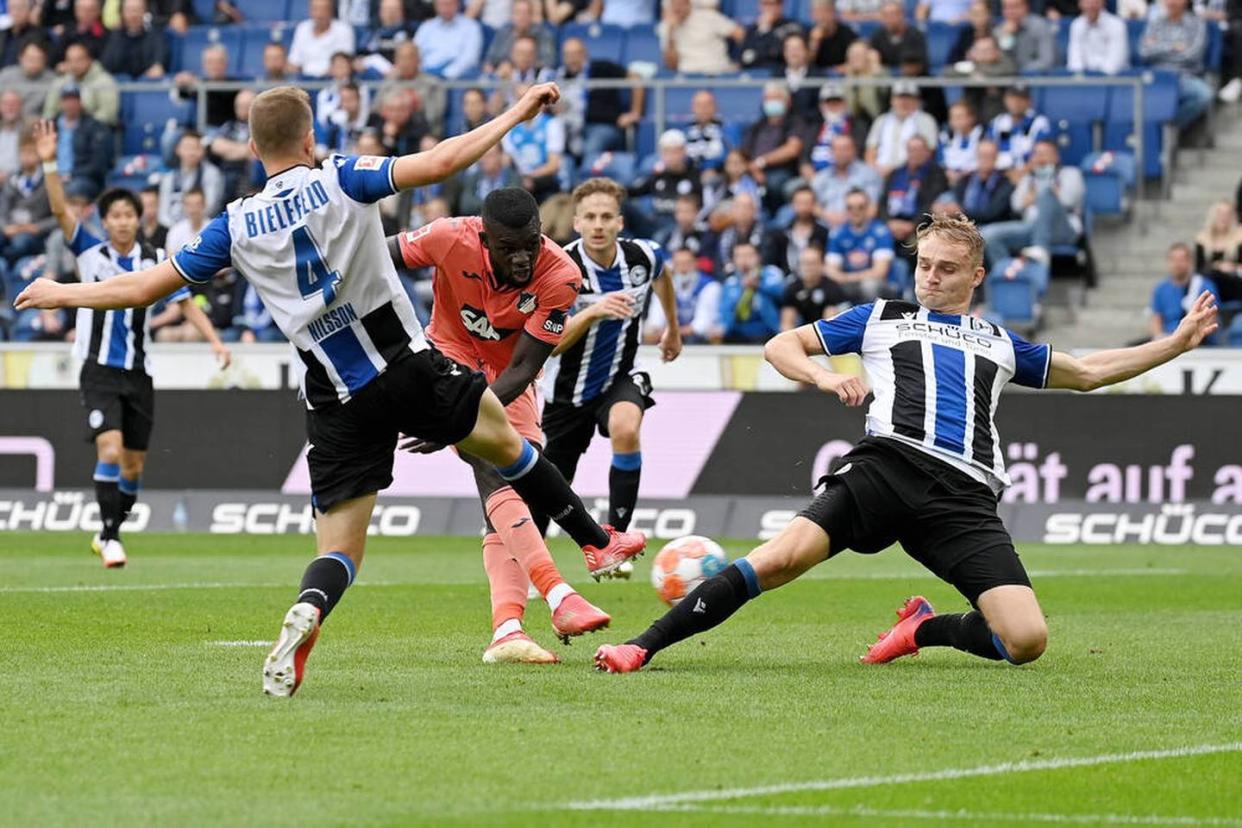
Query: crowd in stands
805, 207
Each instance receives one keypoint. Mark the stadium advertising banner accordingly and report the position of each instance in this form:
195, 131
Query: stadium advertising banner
1085, 469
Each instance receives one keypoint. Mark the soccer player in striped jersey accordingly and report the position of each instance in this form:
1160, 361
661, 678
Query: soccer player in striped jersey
596, 384
115, 378
930, 470
312, 244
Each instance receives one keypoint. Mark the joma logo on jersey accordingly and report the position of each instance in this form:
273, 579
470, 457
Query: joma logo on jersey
479, 325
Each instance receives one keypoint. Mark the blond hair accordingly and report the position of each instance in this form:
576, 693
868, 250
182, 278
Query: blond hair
599, 186
280, 119
956, 229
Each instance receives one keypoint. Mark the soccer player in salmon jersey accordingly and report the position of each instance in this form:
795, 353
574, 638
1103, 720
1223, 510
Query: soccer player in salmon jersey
503, 291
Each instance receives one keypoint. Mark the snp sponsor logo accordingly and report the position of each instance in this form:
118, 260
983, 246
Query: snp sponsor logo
285, 518
1173, 525
64, 512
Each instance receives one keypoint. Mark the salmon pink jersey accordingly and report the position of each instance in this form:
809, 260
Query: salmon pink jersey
473, 311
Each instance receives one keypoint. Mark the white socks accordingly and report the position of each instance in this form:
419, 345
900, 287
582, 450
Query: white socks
557, 594
506, 628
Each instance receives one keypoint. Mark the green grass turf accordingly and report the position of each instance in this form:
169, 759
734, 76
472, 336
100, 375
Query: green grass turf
116, 708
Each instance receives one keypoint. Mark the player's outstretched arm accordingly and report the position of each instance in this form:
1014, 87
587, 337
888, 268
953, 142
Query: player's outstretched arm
455, 154
131, 290
529, 355
1105, 368
790, 353
45, 146
610, 306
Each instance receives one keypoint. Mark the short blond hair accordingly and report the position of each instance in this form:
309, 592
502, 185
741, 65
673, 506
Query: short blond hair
599, 186
955, 228
280, 118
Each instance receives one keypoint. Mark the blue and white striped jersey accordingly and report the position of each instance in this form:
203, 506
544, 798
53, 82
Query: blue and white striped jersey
588, 369
115, 338
937, 379
312, 245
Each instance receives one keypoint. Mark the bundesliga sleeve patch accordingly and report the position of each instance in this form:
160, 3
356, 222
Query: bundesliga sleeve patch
368, 162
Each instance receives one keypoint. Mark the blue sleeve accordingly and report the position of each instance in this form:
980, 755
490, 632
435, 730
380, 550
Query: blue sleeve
1031, 362
365, 178
659, 257
843, 333
82, 240
208, 253
884, 237
834, 243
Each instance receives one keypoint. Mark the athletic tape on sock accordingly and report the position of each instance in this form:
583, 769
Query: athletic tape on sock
349, 564
748, 574
525, 462
107, 472
632, 461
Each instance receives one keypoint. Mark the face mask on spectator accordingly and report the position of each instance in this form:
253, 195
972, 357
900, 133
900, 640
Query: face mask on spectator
774, 108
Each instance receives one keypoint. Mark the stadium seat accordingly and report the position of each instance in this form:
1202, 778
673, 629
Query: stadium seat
1215, 51
1075, 140
738, 103
263, 11
1233, 336
619, 166
899, 276
677, 101
940, 40
254, 41
746, 11
1082, 102
188, 54
1134, 28
204, 9
603, 42
644, 137
1016, 299
1110, 179
1119, 137
145, 115
643, 45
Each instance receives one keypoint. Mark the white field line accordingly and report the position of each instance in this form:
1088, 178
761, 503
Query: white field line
163, 587
957, 816
239, 643
656, 801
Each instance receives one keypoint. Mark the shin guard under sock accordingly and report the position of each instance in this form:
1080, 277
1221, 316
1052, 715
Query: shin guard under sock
507, 582
623, 479
709, 604
968, 632
325, 581
516, 528
109, 498
544, 489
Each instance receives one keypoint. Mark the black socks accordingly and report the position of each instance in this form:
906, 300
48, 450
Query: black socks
623, 479
709, 604
967, 632
325, 581
109, 498
544, 489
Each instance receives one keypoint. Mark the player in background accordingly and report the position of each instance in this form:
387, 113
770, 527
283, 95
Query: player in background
596, 384
930, 470
312, 244
503, 291
116, 369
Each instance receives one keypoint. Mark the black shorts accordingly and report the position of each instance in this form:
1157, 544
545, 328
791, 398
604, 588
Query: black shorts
118, 400
882, 493
570, 428
423, 395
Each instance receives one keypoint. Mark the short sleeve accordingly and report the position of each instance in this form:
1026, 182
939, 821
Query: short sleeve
843, 333
365, 178
82, 240
555, 298
179, 294
207, 253
1030, 362
429, 245
659, 256
884, 246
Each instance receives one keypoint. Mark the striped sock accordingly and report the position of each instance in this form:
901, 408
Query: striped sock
128, 488
544, 489
325, 581
623, 480
107, 494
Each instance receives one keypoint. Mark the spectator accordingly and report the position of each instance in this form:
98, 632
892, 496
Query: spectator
1049, 199
595, 118
407, 74
1098, 40
628, 13
450, 43
898, 42
172, 14
1178, 41
379, 51
887, 140
474, 110
688, 231
1231, 66
984, 194
674, 175
316, 40
150, 231
863, 62
12, 130
397, 125
25, 215
215, 68
30, 77
750, 298
84, 150
193, 220
742, 226
520, 67
860, 11
493, 172
695, 38
328, 99
800, 77
1025, 37
698, 303
136, 49
94, 86
829, 37
706, 143
843, 175
340, 135
943, 11
1218, 250
911, 190
860, 252
735, 181
979, 24
959, 142
834, 119
774, 144
764, 40
1172, 298
254, 323
537, 148
523, 23
87, 28
985, 60
276, 68
496, 14
1017, 130
228, 147
783, 248
812, 296
192, 172
22, 29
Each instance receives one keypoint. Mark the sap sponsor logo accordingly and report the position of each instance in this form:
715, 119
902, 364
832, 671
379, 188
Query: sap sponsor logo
1173, 525
393, 520
662, 524
64, 512
477, 323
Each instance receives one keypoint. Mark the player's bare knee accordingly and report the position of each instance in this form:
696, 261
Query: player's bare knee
1025, 643
624, 424
107, 449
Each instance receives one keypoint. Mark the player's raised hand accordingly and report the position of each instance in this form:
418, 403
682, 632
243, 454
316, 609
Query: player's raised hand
1200, 323
614, 306
44, 133
850, 390
537, 97
41, 293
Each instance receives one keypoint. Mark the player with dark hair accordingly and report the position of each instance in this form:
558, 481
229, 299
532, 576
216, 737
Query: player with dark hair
597, 384
502, 293
930, 470
116, 369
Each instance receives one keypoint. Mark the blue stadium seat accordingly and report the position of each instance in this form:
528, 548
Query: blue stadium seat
940, 40
1081, 102
603, 41
145, 115
198, 38
738, 103
1110, 180
619, 166
1233, 337
899, 276
204, 9
677, 101
1075, 139
263, 11
1118, 137
254, 41
746, 11
642, 44
1134, 28
644, 138
1016, 299
1215, 51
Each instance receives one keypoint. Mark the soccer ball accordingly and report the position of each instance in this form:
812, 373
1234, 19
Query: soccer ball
685, 563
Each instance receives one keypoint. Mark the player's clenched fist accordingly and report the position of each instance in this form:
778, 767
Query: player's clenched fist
539, 96
850, 390
41, 293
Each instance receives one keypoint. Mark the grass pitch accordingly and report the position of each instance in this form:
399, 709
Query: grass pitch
133, 698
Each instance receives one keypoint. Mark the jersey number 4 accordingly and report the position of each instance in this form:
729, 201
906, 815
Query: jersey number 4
314, 275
